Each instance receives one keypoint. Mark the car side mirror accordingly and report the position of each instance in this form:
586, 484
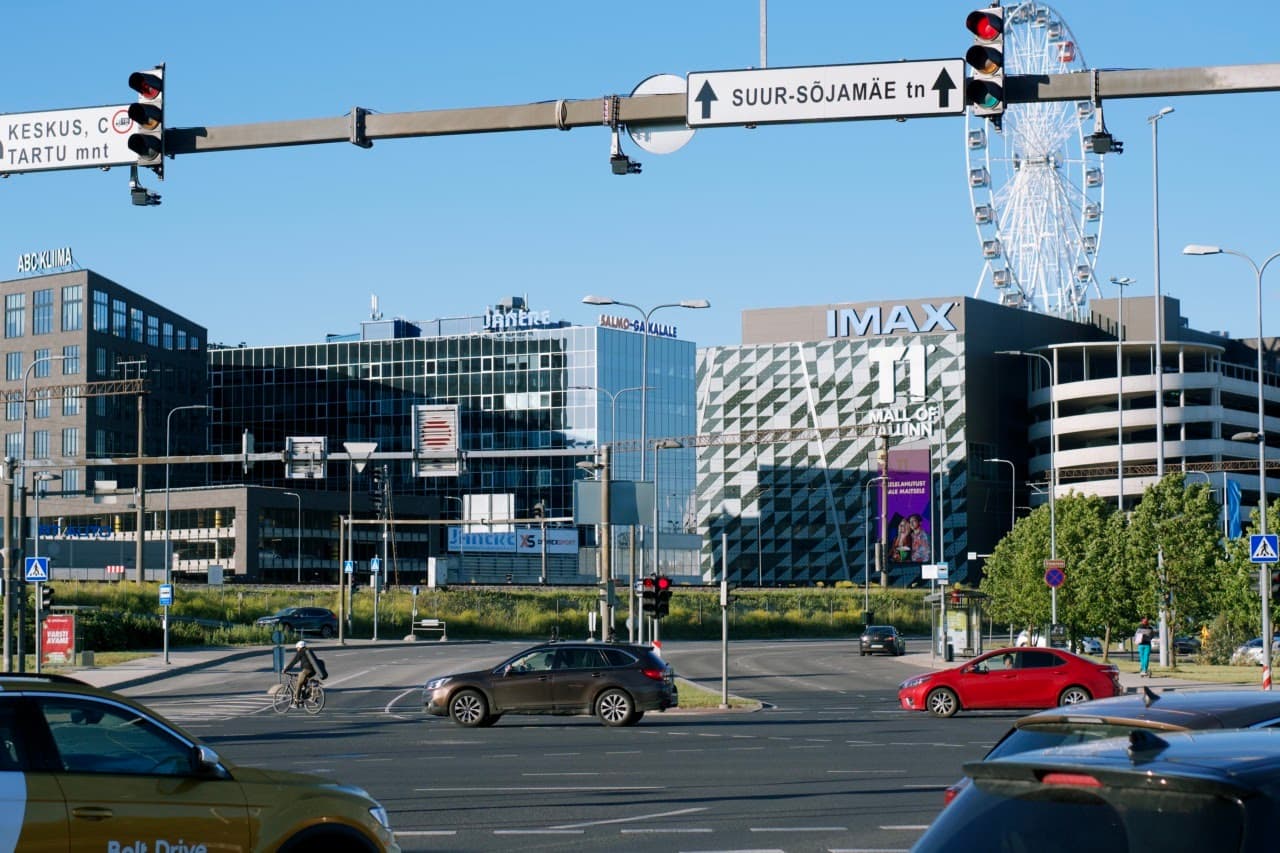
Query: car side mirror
205, 762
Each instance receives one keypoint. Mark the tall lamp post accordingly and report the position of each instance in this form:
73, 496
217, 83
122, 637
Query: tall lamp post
299, 497
866, 567
1013, 491
168, 539
1121, 282
1053, 476
358, 453
659, 444
1260, 437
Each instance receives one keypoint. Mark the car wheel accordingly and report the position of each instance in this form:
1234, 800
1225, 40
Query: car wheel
942, 702
326, 631
1074, 695
615, 708
328, 838
489, 720
468, 708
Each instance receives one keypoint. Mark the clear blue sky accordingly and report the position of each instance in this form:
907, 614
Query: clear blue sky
281, 246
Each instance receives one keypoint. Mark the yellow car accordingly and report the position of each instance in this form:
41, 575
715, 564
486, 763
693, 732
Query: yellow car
84, 769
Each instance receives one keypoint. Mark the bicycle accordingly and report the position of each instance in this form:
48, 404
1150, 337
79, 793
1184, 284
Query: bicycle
312, 699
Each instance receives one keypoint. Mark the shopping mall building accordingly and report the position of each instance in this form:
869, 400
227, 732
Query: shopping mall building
932, 424
827, 429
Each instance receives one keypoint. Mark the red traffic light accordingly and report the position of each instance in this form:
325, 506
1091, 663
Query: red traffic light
985, 25
146, 84
648, 584
664, 583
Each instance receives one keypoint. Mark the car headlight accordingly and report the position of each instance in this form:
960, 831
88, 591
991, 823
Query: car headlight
439, 682
914, 682
380, 815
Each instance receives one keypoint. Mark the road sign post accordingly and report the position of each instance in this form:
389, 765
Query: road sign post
915, 89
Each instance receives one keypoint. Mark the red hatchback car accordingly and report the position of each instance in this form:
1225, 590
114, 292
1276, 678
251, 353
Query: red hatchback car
1010, 679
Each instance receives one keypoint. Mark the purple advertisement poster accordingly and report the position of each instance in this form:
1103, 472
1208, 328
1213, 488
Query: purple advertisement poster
908, 512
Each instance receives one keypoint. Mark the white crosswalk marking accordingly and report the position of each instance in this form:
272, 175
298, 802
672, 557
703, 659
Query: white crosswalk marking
218, 709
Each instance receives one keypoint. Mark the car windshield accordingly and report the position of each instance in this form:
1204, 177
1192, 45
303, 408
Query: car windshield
1004, 817
1045, 735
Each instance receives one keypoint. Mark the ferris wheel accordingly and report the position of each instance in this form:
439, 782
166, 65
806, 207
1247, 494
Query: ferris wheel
1035, 185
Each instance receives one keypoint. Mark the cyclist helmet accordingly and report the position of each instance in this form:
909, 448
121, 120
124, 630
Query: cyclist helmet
301, 644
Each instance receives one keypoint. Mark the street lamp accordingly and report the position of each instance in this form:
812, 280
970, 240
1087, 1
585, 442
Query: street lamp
168, 539
41, 478
644, 356
1013, 491
1053, 475
299, 497
660, 444
1154, 121
866, 567
1121, 282
1260, 437
613, 405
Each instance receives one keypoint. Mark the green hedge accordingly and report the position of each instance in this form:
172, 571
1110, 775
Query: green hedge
123, 615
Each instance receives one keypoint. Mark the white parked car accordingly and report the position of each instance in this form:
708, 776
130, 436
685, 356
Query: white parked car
1251, 652
1090, 646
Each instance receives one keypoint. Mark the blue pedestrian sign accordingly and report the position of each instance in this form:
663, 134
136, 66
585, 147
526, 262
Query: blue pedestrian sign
166, 594
349, 566
38, 569
1263, 548
374, 565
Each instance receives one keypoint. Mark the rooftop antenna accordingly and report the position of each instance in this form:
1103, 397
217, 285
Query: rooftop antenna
374, 314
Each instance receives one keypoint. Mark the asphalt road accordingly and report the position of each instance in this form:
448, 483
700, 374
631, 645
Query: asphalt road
831, 763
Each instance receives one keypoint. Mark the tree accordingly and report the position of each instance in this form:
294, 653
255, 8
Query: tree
1174, 549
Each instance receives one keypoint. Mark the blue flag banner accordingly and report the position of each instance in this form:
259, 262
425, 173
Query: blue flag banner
1234, 529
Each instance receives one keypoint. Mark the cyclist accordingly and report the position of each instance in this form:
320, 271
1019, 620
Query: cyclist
308, 666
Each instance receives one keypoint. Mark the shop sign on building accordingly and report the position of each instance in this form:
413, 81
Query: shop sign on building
658, 330
522, 540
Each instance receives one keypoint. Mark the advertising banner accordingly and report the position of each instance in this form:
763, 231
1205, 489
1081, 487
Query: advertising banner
909, 505
59, 640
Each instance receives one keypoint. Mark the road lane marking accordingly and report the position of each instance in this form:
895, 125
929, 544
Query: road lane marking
799, 829
632, 819
566, 773
907, 827
537, 832
418, 833
877, 772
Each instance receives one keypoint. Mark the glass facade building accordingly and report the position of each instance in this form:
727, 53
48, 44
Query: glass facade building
535, 397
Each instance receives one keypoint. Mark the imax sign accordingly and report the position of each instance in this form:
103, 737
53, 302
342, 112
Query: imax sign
889, 320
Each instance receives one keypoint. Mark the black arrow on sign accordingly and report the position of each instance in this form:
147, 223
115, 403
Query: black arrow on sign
943, 86
705, 96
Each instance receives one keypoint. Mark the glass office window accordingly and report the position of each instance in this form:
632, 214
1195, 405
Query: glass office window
101, 315
72, 308
71, 359
15, 314
42, 312
13, 366
119, 318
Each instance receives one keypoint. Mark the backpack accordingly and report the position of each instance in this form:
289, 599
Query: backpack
320, 669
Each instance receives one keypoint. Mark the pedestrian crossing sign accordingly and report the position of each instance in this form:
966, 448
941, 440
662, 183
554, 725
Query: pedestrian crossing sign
1264, 548
37, 569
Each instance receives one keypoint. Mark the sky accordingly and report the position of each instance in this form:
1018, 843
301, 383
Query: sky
281, 246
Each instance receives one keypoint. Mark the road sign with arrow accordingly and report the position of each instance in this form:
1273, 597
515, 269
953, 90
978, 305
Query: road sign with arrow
907, 89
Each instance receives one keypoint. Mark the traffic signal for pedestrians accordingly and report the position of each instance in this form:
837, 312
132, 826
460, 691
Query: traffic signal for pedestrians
648, 595
662, 602
1275, 586
46, 598
985, 87
146, 139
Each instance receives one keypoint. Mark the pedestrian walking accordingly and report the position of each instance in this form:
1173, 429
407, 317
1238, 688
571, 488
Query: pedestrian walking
1142, 639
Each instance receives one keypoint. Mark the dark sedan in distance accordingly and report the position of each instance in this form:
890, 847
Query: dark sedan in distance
304, 620
616, 682
882, 638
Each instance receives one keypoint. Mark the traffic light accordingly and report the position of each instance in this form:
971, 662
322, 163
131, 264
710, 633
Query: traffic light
46, 598
147, 138
1275, 586
648, 595
539, 510
662, 602
985, 88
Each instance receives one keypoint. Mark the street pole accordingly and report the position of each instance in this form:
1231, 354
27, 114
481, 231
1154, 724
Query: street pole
168, 538
1121, 282
299, 497
866, 571
1264, 586
1154, 121
41, 477
607, 598
1013, 491
9, 585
